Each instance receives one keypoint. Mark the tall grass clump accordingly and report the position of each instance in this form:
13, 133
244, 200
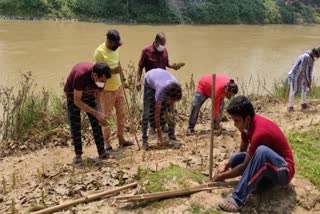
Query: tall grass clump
23, 109
281, 89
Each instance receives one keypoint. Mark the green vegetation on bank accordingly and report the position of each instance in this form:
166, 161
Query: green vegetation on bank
306, 151
170, 11
161, 180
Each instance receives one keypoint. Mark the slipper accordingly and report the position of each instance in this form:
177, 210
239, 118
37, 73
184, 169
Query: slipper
232, 205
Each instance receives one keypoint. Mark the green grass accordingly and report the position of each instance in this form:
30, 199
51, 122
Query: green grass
156, 181
306, 152
201, 210
281, 90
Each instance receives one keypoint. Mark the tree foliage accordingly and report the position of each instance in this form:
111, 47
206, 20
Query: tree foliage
162, 11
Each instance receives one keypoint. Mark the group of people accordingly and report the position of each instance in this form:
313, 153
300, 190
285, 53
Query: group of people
264, 157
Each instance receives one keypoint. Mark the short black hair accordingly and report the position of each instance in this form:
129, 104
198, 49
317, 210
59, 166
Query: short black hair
102, 69
316, 52
173, 91
159, 36
232, 87
241, 106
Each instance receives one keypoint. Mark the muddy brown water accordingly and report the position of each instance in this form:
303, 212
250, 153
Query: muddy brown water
50, 48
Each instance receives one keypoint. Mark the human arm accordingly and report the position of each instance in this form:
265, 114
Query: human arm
234, 172
142, 63
157, 121
83, 106
139, 74
176, 66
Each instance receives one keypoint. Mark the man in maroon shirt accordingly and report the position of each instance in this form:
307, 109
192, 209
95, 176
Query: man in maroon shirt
83, 83
154, 56
265, 156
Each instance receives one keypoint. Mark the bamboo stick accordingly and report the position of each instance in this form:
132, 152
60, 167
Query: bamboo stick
167, 194
85, 199
128, 107
212, 125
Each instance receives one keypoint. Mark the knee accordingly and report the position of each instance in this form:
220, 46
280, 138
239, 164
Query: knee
236, 159
261, 150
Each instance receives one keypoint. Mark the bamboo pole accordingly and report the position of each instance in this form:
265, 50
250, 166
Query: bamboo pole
128, 107
85, 199
212, 125
167, 194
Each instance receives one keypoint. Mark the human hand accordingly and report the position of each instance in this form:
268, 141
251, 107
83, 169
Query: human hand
138, 85
100, 116
117, 70
218, 178
159, 141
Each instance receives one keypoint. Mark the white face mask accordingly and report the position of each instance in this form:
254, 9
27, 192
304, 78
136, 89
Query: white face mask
100, 84
160, 48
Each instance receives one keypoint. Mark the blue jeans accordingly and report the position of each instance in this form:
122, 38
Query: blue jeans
148, 106
75, 125
198, 100
264, 165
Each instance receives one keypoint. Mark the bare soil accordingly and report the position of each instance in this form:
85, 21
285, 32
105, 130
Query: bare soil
48, 175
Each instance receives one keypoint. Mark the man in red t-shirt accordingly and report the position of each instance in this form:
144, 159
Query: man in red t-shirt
83, 83
225, 87
265, 156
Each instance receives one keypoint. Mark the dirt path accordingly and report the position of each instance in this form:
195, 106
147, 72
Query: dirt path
48, 174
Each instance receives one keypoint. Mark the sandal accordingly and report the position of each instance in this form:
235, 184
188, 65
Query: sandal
230, 205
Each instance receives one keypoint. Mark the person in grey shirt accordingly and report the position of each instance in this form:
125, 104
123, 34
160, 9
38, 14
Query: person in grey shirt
300, 77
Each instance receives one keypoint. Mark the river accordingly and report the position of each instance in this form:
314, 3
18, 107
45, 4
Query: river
50, 48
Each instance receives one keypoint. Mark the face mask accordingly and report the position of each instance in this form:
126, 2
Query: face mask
114, 48
160, 48
100, 84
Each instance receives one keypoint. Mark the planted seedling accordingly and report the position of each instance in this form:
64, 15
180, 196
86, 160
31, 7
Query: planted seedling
109, 123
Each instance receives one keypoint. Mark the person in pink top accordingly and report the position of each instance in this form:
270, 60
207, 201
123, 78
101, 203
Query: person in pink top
225, 87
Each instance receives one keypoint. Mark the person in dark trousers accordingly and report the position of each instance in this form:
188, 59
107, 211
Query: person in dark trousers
153, 56
224, 87
264, 157
83, 83
159, 85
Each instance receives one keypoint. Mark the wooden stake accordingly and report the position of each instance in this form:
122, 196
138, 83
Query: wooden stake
85, 199
168, 194
212, 125
128, 107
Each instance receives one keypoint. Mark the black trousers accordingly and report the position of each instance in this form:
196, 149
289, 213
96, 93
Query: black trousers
75, 125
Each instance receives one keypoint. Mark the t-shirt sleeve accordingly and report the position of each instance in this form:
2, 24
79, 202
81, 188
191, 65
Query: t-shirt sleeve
98, 56
142, 61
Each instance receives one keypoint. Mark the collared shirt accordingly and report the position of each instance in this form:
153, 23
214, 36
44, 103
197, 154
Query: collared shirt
158, 79
151, 58
112, 59
267, 133
80, 79
205, 85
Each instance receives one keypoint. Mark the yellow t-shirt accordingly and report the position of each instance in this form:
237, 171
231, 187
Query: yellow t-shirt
112, 59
